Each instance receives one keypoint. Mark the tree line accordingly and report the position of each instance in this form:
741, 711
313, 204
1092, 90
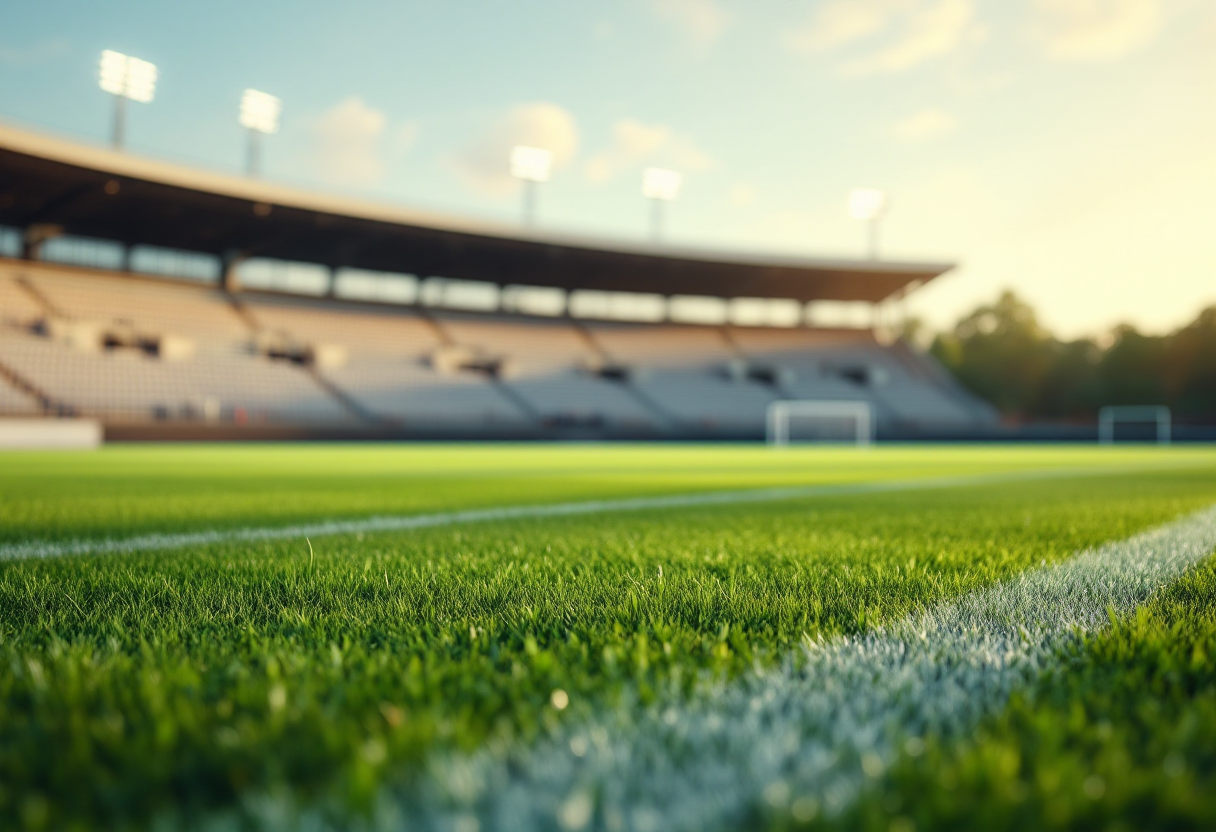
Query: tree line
1001, 353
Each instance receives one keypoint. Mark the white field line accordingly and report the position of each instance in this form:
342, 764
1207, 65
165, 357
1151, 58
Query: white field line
803, 738
391, 523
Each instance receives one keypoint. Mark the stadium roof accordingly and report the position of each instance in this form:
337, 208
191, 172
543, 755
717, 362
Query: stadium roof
95, 192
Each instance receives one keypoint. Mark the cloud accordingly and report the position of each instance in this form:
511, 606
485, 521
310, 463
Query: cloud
912, 32
701, 21
838, 23
483, 164
926, 124
346, 143
930, 31
1095, 29
634, 142
404, 136
34, 53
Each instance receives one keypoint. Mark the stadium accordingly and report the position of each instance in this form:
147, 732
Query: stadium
145, 295
325, 513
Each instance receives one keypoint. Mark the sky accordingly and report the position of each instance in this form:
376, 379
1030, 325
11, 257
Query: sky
1065, 149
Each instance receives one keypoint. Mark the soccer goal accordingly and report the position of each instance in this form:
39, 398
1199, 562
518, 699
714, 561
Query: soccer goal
1146, 414
819, 421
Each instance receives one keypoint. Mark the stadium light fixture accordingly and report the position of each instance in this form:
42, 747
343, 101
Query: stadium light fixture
259, 115
869, 205
531, 165
660, 186
125, 77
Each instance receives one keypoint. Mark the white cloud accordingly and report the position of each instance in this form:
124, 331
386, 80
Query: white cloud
346, 143
910, 32
404, 137
34, 53
838, 23
1096, 29
926, 124
702, 21
929, 31
483, 164
634, 142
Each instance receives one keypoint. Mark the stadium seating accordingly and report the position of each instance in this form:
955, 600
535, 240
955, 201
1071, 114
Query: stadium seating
73, 345
17, 307
14, 402
132, 349
686, 372
551, 367
851, 364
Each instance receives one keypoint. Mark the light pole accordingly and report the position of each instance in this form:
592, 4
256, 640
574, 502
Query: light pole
532, 165
125, 77
659, 186
869, 205
259, 114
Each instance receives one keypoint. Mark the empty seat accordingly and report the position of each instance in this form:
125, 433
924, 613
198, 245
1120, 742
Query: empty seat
17, 307
362, 331
126, 384
14, 402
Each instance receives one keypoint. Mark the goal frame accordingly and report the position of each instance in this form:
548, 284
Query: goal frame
777, 421
1111, 414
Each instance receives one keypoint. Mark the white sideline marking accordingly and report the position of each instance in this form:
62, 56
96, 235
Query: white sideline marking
391, 523
805, 737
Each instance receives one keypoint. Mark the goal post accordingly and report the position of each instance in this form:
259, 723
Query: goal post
1141, 414
780, 414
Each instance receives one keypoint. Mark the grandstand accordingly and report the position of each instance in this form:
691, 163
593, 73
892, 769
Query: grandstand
129, 293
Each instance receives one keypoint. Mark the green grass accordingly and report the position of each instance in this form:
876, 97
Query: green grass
140, 685
125, 490
1121, 736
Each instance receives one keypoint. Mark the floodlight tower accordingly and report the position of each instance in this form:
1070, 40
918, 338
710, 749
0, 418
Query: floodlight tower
532, 165
260, 115
659, 186
869, 205
125, 77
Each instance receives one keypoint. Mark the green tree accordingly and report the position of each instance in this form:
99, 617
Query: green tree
1189, 370
1070, 388
1000, 353
1130, 369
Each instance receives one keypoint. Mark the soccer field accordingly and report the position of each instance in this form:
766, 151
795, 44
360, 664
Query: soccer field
490, 637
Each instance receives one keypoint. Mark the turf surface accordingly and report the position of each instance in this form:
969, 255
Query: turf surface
1121, 736
170, 684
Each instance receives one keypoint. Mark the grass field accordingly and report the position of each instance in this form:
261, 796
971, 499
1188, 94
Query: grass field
347, 680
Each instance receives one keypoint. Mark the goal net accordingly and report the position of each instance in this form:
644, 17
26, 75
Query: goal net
1143, 416
820, 421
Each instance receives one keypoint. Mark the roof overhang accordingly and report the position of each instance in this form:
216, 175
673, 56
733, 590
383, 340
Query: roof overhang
51, 181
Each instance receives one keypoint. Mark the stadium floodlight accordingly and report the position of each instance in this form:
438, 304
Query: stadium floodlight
869, 205
259, 114
659, 186
1146, 414
780, 414
125, 77
260, 111
532, 166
